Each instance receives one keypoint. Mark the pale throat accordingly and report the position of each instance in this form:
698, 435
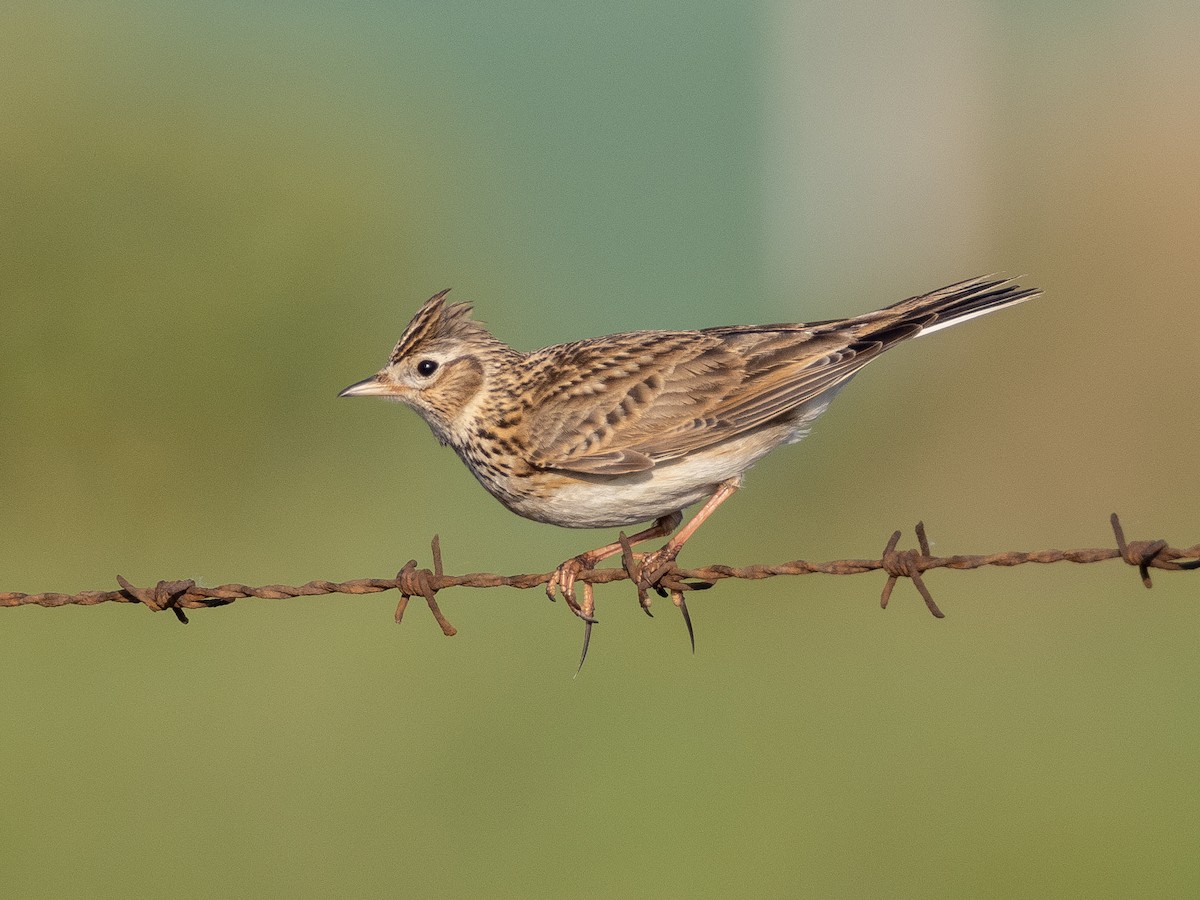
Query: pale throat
456, 428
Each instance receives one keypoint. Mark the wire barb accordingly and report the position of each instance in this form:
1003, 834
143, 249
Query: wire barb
633, 568
908, 564
411, 581
1145, 554
164, 595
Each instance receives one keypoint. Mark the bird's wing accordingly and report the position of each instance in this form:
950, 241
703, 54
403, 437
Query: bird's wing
625, 402
631, 401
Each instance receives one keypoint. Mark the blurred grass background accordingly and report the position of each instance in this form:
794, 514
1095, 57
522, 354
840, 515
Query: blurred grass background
213, 217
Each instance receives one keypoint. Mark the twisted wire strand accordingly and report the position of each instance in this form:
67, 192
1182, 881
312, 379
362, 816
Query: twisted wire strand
411, 581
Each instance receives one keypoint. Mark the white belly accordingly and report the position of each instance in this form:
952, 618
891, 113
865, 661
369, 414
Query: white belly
612, 501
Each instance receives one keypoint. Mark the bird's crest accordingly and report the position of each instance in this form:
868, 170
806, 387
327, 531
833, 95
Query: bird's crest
436, 320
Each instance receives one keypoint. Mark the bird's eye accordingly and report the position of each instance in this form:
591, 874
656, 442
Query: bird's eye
426, 367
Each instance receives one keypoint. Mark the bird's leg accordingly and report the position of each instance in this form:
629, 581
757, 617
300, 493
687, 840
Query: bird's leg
655, 564
564, 576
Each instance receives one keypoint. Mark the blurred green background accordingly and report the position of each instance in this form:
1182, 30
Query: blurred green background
214, 217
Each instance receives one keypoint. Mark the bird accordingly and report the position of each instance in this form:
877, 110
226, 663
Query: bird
631, 428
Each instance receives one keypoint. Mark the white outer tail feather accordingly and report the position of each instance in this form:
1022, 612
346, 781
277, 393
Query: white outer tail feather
938, 326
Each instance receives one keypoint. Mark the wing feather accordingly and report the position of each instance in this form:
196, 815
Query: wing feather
629, 401
666, 394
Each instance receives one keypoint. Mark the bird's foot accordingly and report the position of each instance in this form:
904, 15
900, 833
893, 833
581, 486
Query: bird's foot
634, 565
647, 570
563, 581
653, 567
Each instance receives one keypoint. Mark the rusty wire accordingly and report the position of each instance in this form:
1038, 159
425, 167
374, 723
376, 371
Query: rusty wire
413, 582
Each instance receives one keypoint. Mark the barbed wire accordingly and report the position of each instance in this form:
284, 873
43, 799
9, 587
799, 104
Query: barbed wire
410, 581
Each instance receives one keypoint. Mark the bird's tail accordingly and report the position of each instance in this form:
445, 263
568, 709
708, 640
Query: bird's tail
954, 303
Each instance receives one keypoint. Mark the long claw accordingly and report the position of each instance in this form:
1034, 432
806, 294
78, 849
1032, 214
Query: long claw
687, 619
587, 637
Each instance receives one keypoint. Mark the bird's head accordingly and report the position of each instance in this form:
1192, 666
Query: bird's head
440, 366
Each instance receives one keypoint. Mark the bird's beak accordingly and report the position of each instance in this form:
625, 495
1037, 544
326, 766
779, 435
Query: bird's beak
368, 387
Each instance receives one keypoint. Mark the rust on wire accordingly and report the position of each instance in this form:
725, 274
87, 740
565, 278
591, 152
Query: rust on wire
908, 564
670, 580
164, 595
1145, 554
411, 581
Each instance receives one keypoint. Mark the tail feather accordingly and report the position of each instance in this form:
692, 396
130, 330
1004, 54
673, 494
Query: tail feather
957, 303
924, 314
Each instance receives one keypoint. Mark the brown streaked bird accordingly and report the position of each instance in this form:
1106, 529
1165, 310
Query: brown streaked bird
627, 428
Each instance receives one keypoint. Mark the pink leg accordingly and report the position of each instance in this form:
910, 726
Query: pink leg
656, 563
724, 492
